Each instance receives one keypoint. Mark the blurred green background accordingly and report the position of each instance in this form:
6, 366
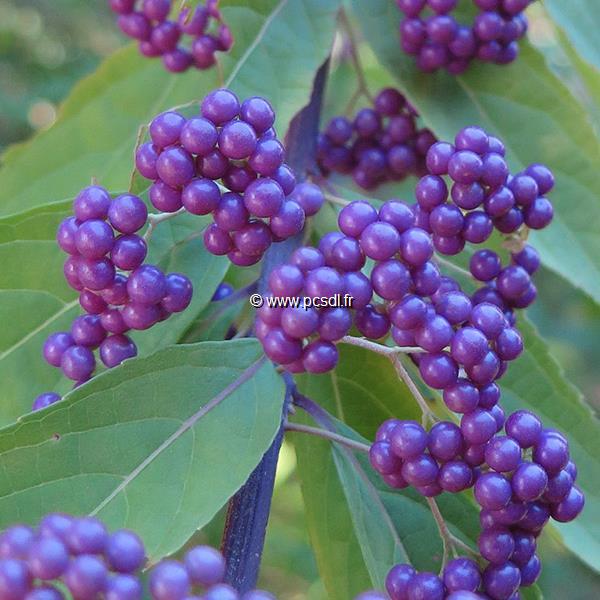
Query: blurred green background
46, 46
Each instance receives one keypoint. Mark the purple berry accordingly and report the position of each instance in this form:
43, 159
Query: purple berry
115, 349
146, 285
127, 213
91, 203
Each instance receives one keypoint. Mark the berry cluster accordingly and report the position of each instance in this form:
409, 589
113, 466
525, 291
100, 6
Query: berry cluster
116, 289
383, 143
469, 191
420, 306
158, 36
79, 554
234, 143
429, 32
520, 478
231, 142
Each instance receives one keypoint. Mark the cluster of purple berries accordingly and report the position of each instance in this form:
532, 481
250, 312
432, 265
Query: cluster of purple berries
258, 201
116, 289
469, 191
520, 478
79, 554
420, 306
438, 41
231, 142
383, 143
158, 36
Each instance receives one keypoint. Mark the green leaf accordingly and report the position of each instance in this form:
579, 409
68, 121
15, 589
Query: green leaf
157, 445
364, 391
35, 300
533, 113
580, 20
535, 381
279, 46
334, 543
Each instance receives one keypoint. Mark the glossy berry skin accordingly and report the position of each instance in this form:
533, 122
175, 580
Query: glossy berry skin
264, 197
569, 508
15, 580
503, 454
94, 238
169, 580
115, 349
165, 128
420, 470
309, 196
127, 213
85, 576
455, 476
178, 294
355, 217
92, 303
175, 166
281, 348
147, 285
319, 356
496, 545
445, 441
478, 426
123, 587
55, 345
408, 439
124, 551
44, 400
500, 582
397, 580
524, 427
91, 203
462, 396
438, 370
205, 565
551, 452
48, 558
468, 346
87, 331
128, 252
87, 535
383, 459
492, 491
78, 363
461, 574
425, 585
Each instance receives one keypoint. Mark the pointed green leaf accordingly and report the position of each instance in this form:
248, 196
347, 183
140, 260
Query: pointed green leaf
533, 113
157, 445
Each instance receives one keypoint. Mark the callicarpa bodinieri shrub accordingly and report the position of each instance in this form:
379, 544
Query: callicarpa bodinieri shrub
298, 262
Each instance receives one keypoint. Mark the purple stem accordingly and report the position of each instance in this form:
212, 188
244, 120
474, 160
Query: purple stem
248, 512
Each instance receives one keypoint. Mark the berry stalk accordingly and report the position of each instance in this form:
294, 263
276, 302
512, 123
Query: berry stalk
248, 512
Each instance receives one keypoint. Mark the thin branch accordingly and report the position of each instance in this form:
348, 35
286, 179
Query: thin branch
349, 110
138, 142
220, 72
335, 199
379, 348
404, 375
360, 74
154, 219
447, 542
460, 544
328, 435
